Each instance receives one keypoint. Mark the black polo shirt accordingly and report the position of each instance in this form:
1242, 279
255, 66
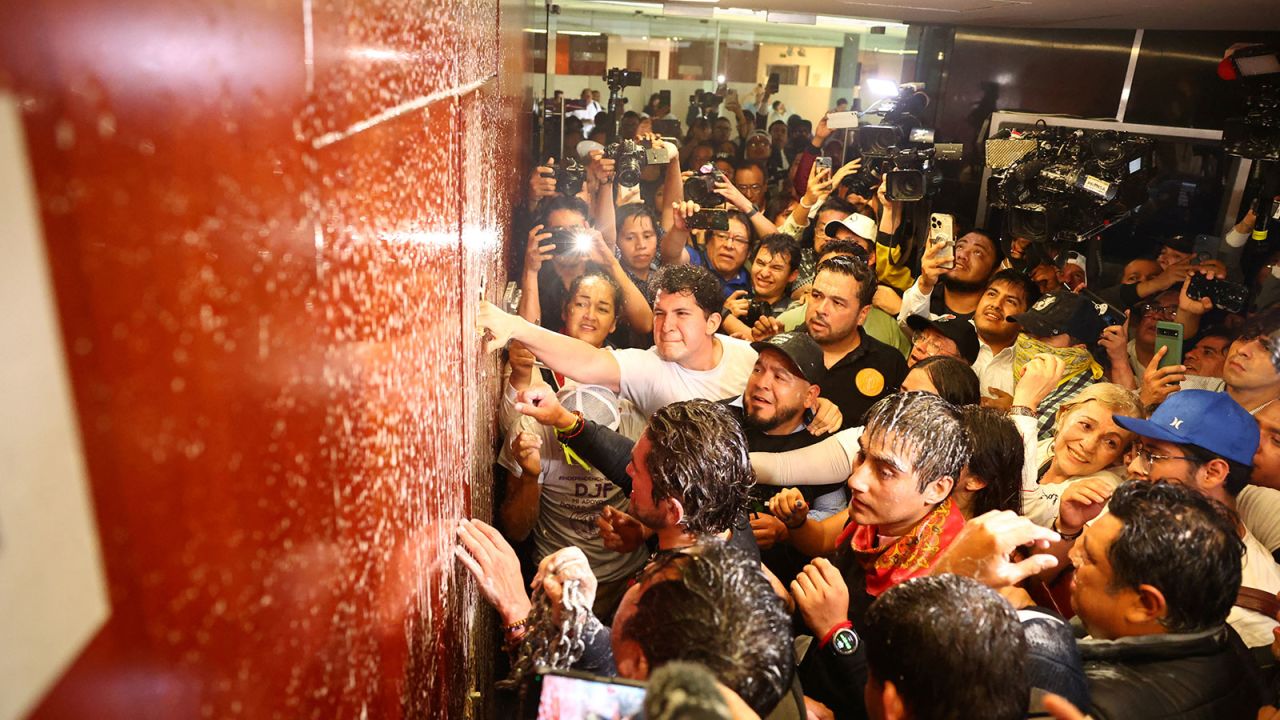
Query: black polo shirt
867, 373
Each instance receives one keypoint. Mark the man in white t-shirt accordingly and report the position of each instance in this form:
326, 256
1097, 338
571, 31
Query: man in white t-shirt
1207, 441
688, 359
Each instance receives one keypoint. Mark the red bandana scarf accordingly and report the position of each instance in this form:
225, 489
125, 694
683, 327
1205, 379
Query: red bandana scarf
906, 557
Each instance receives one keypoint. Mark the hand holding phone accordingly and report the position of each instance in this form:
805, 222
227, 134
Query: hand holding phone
942, 229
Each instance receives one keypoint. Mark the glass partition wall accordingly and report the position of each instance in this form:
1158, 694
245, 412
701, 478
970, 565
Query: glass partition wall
818, 59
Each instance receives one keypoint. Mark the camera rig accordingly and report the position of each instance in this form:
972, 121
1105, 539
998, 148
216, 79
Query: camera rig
1066, 186
897, 147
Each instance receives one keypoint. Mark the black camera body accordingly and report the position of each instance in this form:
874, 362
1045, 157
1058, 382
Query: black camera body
570, 176
901, 150
630, 158
1256, 133
567, 240
1066, 186
618, 78
756, 310
700, 187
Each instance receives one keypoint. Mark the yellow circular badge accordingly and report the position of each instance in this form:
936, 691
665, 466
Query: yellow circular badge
869, 382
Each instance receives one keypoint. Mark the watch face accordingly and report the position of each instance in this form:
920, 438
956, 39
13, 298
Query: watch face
845, 641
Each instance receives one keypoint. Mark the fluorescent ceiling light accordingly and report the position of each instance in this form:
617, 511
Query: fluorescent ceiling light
681, 10
791, 17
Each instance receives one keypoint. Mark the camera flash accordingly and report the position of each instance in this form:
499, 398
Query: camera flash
582, 242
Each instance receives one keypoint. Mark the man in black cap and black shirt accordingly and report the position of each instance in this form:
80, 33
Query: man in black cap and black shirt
943, 335
781, 395
860, 369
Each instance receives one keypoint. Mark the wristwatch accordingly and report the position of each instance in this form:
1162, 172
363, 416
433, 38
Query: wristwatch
845, 641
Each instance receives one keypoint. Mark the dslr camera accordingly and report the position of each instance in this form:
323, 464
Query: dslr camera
700, 187
631, 158
569, 174
1256, 133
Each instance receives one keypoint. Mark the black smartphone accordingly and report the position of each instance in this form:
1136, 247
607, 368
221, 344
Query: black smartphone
774, 81
708, 220
665, 96
1225, 294
571, 695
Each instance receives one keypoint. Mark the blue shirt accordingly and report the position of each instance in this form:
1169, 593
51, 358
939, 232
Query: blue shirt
741, 281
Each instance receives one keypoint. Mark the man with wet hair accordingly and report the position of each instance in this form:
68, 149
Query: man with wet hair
687, 477
708, 603
900, 519
945, 647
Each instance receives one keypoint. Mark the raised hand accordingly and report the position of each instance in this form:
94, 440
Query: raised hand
737, 304
1081, 502
789, 507
821, 595
983, 548
766, 327
1158, 382
619, 531
1040, 376
495, 567
541, 404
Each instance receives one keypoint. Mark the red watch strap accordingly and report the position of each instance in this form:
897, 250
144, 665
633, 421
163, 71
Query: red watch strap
826, 639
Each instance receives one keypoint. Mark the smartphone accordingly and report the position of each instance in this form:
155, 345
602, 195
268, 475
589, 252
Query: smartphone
665, 96
842, 120
570, 695
823, 162
1225, 294
708, 220
730, 96
1169, 334
942, 227
775, 80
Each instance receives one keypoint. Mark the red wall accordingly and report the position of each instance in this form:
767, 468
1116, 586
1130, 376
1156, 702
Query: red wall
267, 224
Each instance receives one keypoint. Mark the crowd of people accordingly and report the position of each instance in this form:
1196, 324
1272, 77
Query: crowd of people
852, 476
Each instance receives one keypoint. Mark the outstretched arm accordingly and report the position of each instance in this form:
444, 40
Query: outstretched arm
573, 358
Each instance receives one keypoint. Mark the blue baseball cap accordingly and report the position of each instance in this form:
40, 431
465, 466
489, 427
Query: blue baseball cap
1209, 420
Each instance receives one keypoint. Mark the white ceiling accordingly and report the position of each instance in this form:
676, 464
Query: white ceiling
1148, 14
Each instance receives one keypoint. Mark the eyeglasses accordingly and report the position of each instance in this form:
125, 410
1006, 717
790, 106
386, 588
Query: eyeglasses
1149, 308
1140, 452
726, 237
749, 188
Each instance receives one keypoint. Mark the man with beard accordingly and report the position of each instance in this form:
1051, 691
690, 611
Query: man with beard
977, 257
860, 369
781, 395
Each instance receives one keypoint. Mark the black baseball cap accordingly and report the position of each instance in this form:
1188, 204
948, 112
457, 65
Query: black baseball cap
803, 351
1063, 311
957, 330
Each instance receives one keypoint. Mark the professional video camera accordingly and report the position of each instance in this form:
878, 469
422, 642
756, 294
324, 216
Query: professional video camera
616, 79
895, 145
1064, 185
631, 157
1256, 134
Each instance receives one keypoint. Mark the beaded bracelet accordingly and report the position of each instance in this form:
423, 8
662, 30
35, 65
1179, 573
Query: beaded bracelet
573, 430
